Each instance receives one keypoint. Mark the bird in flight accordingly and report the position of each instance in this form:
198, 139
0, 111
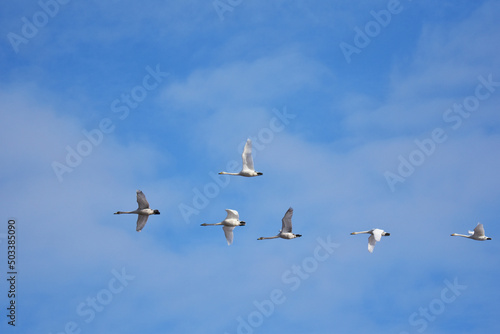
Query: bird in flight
376, 235
286, 228
477, 234
247, 170
232, 220
143, 211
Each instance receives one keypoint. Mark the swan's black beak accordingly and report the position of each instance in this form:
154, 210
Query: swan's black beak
242, 223
488, 238
387, 234
259, 173
156, 212
298, 235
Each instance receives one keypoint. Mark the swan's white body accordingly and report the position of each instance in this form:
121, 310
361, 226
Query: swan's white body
286, 228
247, 170
143, 211
375, 235
477, 234
232, 220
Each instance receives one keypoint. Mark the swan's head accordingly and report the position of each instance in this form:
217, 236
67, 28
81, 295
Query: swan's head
261, 238
156, 212
242, 223
453, 234
259, 173
298, 235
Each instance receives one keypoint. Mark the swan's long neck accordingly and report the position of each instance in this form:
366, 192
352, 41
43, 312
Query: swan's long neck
122, 212
205, 224
226, 173
362, 232
460, 235
264, 238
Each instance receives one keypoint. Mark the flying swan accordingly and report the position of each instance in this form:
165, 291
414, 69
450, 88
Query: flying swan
376, 235
477, 234
247, 169
286, 228
143, 211
232, 220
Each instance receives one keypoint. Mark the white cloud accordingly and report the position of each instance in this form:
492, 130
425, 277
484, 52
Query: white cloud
246, 84
444, 70
187, 278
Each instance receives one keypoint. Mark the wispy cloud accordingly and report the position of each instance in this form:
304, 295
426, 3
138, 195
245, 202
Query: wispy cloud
244, 84
227, 81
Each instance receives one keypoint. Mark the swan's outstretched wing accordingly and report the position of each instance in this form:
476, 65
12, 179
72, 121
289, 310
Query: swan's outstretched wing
141, 222
377, 234
286, 222
141, 200
479, 230
232, 214
247, 156
228, 232
371, 243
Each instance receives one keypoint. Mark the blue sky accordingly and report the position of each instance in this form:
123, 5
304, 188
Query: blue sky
401, 134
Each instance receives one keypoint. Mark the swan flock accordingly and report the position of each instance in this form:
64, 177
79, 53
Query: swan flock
232, 219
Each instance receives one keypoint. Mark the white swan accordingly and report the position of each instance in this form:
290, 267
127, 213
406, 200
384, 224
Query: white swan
286, 228
247, 169
232, 220
376, 235
477, 234
143, 211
